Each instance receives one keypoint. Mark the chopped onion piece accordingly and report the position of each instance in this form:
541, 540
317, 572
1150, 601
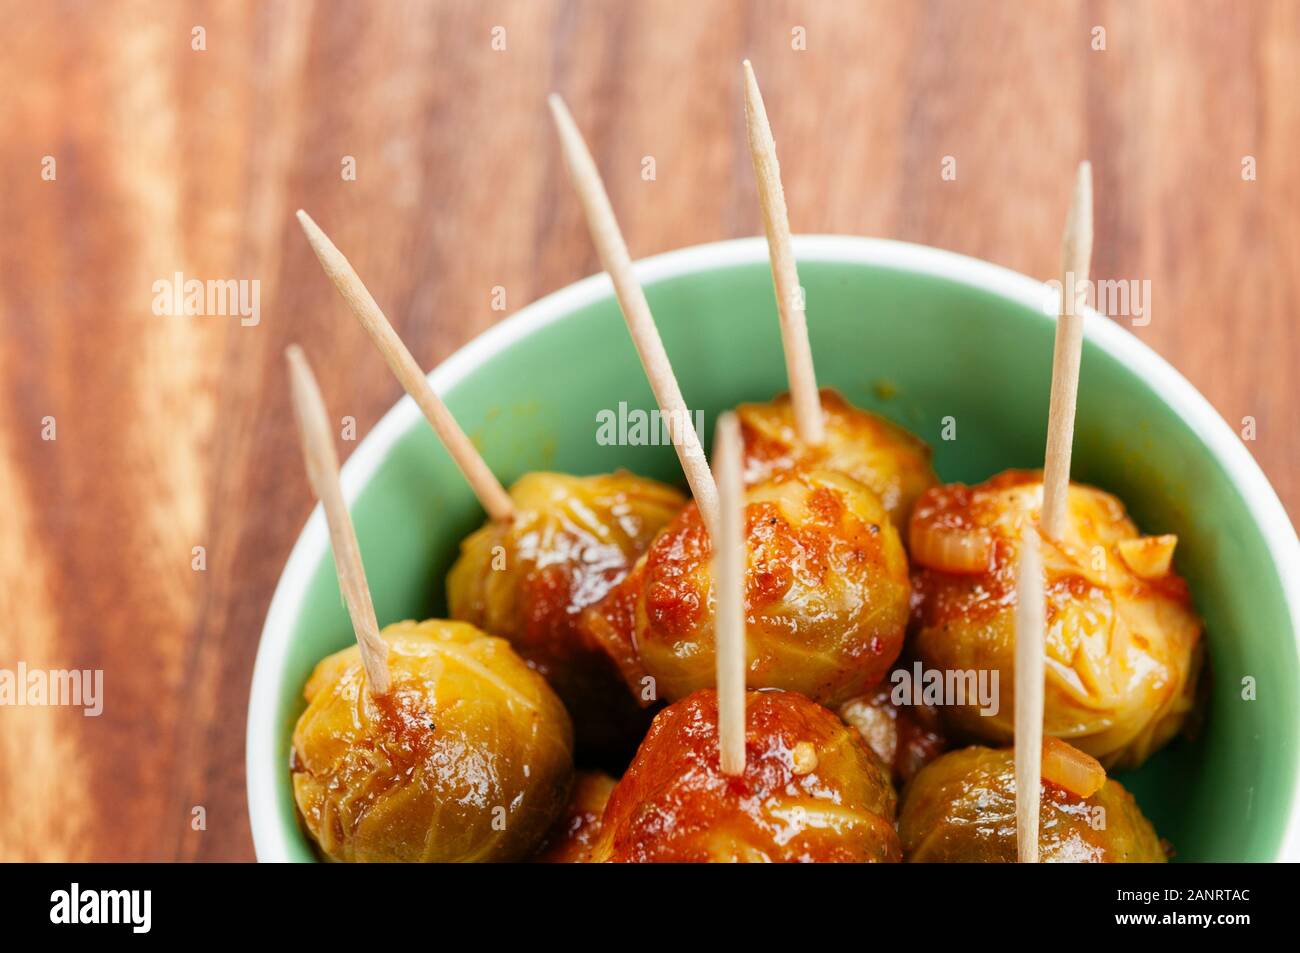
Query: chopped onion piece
949, 549
875, 724
1149, 557
1068, 767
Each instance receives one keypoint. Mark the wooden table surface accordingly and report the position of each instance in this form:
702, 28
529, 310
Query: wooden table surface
174, 432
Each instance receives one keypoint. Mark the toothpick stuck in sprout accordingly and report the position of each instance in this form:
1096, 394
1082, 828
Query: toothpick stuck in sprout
323, 472
785, 276
729, 579
1031, 612
614, 258
1076, 260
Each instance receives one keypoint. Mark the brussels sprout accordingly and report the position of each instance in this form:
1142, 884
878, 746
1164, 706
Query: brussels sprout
571, 541
573, 835
811, 791
891, 462
826, 594
961, 808
1123, 651
467, 758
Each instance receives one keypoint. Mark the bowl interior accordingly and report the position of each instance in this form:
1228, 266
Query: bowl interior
916, 346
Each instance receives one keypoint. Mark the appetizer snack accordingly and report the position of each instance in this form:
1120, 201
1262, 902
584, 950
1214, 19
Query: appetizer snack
893, 463
1123, 645
1016, 579
424, 742
826, 595
551, 546
571, 540
826, 583
467, 758
811, 790
436, 741
962, 809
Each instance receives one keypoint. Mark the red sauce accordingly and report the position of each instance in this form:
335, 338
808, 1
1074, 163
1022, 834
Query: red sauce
406, 727
674, 799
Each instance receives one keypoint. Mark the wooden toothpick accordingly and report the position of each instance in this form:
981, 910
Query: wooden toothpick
323, 472
1076, 260
729, 579
1031, 612
785, 276
614, 258
491, 494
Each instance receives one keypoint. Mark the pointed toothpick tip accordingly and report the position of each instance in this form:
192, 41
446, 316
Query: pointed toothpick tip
559, 110
316, 237
572, 145
1083, 185
753, 95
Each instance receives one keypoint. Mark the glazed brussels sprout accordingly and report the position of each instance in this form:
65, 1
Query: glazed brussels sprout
573, 835
811, 790
826, 595
891, 462
468, 757
572, 539
904, 737
1123, 646
962, 809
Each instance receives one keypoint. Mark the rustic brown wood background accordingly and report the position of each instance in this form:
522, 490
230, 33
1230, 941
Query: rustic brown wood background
174, 432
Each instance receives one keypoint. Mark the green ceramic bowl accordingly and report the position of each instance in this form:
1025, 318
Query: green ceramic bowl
913, 333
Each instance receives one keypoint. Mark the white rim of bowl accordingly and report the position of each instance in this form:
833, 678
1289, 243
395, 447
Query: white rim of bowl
270, 841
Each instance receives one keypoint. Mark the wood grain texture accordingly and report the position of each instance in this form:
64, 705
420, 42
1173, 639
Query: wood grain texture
176, 432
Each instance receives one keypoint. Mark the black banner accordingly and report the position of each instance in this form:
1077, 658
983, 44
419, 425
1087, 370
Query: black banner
137, 903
